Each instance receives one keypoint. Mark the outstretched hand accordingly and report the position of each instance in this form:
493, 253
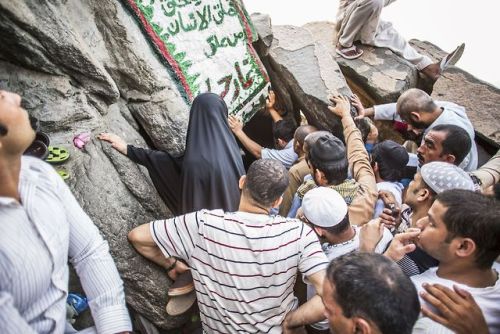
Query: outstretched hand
370, 235
341, 107
456, 308
356, 102
271, 100
116, 142
235, 124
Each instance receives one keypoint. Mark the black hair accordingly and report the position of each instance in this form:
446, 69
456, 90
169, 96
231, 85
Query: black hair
266, 181
389, 169
284, 129
337, 229
475, 216
302, 132
374, 288
457, 141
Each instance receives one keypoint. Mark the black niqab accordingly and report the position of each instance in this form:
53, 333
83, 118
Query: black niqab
206, 177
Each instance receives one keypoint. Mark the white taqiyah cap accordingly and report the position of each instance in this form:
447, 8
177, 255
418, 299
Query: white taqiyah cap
324, 207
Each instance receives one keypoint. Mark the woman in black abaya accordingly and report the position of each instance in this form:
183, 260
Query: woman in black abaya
207, 175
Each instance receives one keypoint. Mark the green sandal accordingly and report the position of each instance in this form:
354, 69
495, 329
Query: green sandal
63, 174
57, 155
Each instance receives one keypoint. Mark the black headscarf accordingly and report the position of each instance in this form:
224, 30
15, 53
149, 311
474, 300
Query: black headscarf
206, 177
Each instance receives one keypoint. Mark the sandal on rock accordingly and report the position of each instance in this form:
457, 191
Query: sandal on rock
183, 285
63, 174
180, 304
57, 155
452, 58
38, 150
349, 53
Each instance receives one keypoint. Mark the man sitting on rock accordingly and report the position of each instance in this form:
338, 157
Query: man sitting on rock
243, 263
421, 113
359, 20
283, 132
462, 231
329, 163
41, 225
326, 212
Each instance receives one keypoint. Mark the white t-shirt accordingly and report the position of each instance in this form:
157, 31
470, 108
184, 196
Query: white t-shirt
335, 251
488, 300
395, 188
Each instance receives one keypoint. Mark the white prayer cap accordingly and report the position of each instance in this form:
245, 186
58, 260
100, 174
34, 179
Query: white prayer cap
442, 176
324, 207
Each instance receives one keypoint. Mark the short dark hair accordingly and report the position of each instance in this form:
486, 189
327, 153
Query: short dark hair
457, 141
375, 288
475, 216
284, 129
337, 229
391, 159
415, 100
302, 131
328, 154
266, 181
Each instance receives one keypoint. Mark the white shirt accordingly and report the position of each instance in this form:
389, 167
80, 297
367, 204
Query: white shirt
286, 156
487, 298
36, 239
244, 265
394, 188
337, 250
452, 114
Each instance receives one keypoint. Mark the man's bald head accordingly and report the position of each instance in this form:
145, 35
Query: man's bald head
415, 101
300, 135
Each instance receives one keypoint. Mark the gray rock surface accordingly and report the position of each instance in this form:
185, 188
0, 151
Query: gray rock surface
378, 75
84, 66
303, 72
479, 98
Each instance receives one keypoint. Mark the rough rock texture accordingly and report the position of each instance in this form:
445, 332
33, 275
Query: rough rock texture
86, 67
480, 98
303, 72
378, 74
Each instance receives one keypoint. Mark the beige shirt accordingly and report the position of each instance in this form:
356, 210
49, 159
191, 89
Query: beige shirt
296, 177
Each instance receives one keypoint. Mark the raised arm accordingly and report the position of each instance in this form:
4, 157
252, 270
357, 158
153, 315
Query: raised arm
237, 127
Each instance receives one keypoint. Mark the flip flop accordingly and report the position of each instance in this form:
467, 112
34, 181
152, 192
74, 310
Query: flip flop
63, 174
349, 53
452, 58
57, 155
180, 304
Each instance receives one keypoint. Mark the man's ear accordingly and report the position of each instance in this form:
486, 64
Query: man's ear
242, 181
320, 176
465, 247
415, 116
423, 194
361, 326
375, 167
450, 158
281, 143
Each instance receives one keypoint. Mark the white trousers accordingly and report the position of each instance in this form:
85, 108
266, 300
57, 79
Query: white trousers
360, 20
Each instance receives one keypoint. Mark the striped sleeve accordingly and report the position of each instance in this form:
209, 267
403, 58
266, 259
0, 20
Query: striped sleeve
312, 258
177, 236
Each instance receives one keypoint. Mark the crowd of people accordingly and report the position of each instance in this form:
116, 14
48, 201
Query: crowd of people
386, 239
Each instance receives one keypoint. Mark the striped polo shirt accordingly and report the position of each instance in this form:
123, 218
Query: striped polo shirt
244, 265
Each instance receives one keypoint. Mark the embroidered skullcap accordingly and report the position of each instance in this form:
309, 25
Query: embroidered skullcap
442, 176
324, 207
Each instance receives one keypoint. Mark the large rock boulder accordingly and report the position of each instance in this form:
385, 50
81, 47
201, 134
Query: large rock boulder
303, 72
378, 76
479, 98
85, 66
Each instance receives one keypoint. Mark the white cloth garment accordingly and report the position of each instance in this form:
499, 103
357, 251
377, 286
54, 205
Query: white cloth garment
36, 239
452, 114
360, 20
488, 300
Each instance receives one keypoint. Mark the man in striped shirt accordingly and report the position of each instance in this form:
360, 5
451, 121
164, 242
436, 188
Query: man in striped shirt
244, 264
